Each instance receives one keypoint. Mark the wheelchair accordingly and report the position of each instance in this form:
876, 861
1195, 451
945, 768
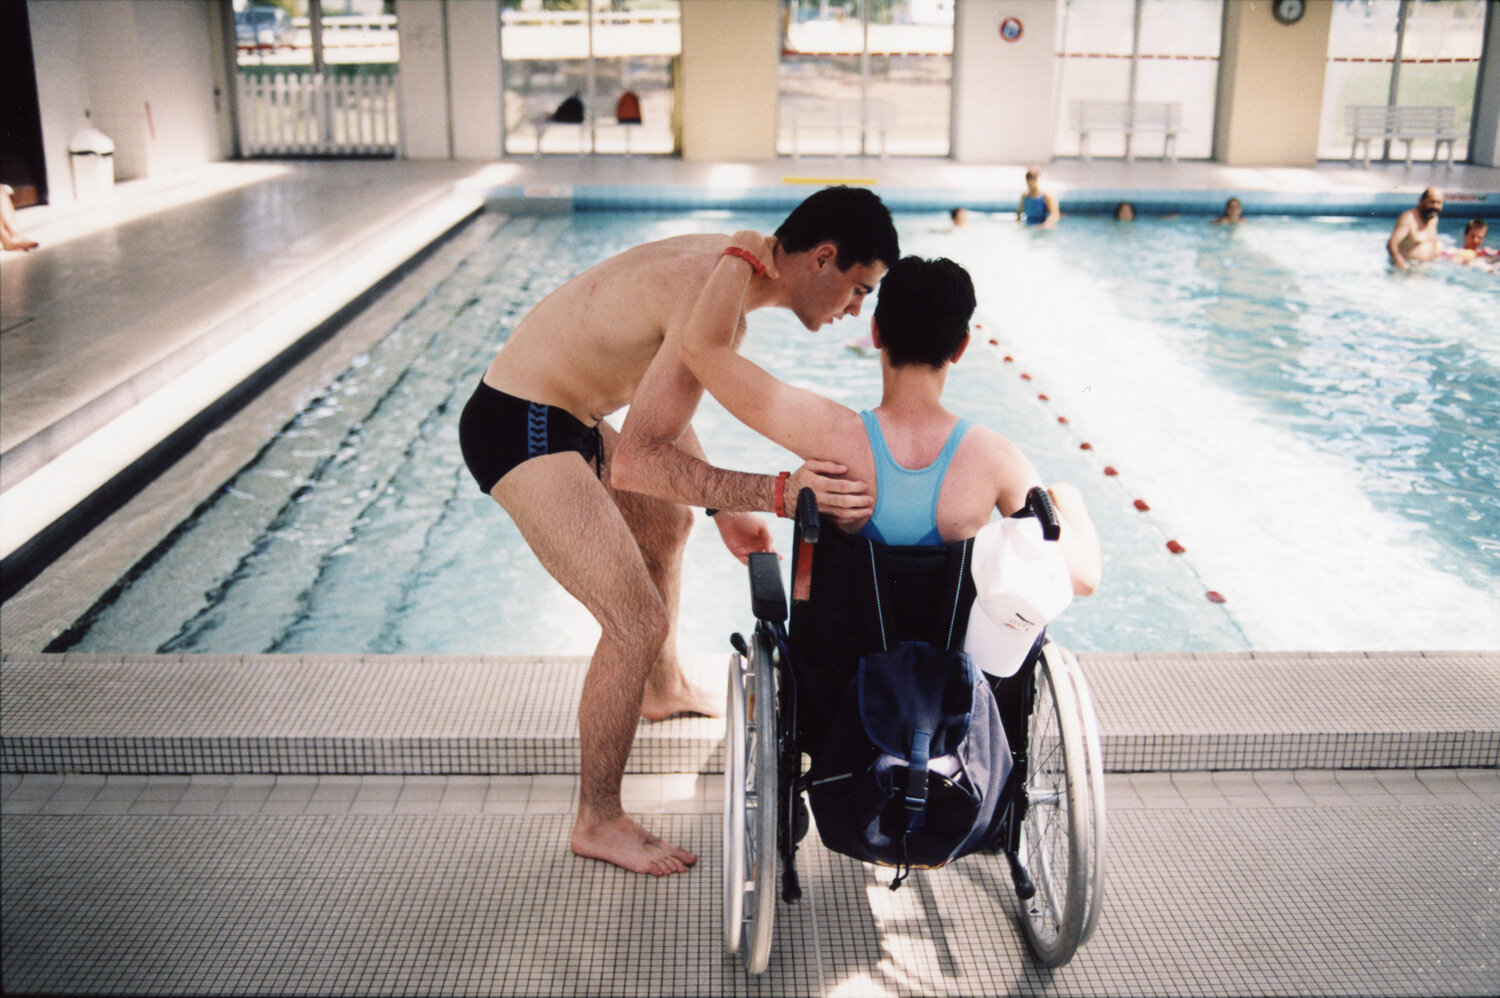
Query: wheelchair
1050, 833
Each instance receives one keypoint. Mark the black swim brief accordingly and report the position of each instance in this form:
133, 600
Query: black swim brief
498, 431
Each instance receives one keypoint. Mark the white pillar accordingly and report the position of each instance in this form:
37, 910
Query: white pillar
1004, 90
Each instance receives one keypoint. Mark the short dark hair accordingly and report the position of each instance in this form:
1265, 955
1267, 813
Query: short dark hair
1474, 224
852, 218
923, 311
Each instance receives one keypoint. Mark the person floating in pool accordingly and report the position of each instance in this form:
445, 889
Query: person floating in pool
1124, 212
1414, 238
1234, 213
937, 477
1037, 207
1473, 253
606, 510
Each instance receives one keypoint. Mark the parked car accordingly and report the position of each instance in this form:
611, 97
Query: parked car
264, 28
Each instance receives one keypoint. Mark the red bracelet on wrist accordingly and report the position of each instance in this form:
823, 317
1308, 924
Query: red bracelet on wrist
756, 267
780, 504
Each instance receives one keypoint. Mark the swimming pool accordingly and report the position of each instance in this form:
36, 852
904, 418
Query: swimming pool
1324, 452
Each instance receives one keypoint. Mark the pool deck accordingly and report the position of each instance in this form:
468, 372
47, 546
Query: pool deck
1280, 823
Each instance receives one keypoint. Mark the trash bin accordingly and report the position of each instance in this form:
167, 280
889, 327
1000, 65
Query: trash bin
92, 156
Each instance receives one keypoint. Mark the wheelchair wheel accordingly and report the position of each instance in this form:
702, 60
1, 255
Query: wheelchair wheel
734, 804
1055, 837
750, 806
1094, 788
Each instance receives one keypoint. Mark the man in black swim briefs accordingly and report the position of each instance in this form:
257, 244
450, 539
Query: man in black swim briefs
606, 511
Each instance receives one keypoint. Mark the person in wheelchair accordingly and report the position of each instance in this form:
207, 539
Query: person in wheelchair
937, 477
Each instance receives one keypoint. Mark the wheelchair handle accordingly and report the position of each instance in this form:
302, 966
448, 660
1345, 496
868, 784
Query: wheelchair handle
1039, 505
807, 515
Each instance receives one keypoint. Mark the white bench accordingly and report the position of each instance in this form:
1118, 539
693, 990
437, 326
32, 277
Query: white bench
839, 120
1371, 122
1129, 118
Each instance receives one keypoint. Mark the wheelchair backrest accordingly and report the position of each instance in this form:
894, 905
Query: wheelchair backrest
865, 596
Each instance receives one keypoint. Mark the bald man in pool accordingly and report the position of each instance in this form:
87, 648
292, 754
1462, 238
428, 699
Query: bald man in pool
1415, 236
607, 511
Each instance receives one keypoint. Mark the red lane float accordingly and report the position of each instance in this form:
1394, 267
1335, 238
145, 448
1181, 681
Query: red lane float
1175, 548
1140, 504
1214, 596
1109, 470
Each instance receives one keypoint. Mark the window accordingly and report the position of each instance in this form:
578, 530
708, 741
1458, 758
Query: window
866, 77
323, 85
557, 49
1146, 51
1398, 53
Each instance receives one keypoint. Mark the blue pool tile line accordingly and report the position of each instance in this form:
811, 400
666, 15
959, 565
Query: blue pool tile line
780, 198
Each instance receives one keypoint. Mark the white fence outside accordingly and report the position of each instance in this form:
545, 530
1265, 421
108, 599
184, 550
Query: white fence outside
311, 114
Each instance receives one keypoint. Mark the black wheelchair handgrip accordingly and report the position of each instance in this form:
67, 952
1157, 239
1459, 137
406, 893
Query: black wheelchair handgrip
1039, 503
807, 515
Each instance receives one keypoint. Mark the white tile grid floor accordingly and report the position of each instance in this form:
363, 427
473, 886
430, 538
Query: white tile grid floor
1303, 882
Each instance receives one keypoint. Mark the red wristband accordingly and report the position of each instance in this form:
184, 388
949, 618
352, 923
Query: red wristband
780, 505
756, 267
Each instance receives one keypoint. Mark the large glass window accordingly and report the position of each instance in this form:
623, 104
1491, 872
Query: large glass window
1143, 51
316, 78
1396, 53
553, 50
866, 77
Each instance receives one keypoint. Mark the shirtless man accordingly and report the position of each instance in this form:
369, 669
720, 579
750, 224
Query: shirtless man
1416, 231
606, 511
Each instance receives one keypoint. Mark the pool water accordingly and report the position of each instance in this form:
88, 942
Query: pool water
1319, 437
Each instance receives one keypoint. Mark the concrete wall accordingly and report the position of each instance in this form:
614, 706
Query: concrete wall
1484, 146
143, 73
1003, 91
1271, 85
728, 85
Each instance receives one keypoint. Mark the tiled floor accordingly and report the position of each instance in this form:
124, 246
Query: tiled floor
1252, 883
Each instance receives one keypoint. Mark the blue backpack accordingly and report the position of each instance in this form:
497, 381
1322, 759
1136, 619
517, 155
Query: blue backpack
911, 769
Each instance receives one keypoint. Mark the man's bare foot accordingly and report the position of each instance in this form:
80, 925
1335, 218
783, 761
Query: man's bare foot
20, 243
684, 699
624, 843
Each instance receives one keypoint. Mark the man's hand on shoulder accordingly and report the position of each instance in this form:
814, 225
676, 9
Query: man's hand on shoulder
847, 501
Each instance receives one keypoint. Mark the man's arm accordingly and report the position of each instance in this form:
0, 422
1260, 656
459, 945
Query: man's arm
804, 422
650, 456
1393, 245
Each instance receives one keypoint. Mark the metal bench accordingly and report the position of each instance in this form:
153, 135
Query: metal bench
1129, 118
1367, 123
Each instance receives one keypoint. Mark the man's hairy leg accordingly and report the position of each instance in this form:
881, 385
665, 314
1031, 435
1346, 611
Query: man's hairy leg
578, 534
661, 530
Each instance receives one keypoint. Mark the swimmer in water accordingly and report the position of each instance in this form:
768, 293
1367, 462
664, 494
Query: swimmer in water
1414, 239
1037, 207
1474, 253
1234, 213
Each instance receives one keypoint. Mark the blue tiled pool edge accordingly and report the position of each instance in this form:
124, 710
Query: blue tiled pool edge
780, 198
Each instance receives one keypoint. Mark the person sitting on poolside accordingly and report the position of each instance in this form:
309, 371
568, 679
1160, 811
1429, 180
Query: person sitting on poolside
11, 236
1037, 207
1234, 213
936, 477
1414, 238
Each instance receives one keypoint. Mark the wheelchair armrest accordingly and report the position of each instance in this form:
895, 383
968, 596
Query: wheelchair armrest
767, 595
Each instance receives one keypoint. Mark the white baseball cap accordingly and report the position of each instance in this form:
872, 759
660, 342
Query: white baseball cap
1022, 583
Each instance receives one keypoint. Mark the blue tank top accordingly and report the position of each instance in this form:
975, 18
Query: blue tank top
906, 500
1036, 210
